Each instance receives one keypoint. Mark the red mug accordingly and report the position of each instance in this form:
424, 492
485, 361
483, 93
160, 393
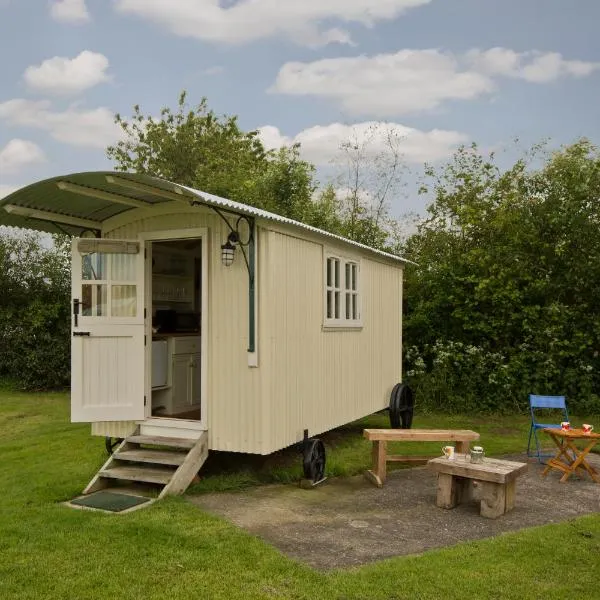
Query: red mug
565, 425
587, 428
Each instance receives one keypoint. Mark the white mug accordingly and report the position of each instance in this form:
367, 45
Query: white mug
587, 428
448, 452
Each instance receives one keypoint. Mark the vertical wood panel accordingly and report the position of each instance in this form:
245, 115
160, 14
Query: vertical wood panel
307, 377
323, 378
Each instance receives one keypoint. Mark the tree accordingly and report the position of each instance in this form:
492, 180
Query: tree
196, 147
372, 171
509, 266
34, 310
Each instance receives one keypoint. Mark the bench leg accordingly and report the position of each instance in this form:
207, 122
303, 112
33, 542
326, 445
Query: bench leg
494, 499
378, 474
511, 489
448, 492
462, 447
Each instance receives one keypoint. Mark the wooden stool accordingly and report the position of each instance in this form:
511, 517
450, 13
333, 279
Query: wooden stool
497, 478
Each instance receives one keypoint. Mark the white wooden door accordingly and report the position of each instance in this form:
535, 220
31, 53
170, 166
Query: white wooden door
107, 337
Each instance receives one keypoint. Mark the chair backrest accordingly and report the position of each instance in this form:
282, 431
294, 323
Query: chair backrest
547, 402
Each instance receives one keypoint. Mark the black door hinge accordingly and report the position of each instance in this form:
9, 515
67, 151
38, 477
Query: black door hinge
144, 400
145, 313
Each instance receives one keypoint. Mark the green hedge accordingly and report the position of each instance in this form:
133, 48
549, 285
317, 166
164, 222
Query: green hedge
463, 378
34, 310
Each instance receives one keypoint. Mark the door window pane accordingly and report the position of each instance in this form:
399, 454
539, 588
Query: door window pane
93, 300
93, 267
116, 296
123, 301
122, 267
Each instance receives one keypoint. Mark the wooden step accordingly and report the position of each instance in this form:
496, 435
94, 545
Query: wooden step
162, 441
148, 475
147, 455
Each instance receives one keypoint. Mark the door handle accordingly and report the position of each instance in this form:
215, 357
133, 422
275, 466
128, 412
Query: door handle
81, 333
75, 310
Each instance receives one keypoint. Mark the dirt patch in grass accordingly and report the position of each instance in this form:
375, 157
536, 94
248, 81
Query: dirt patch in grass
347, 521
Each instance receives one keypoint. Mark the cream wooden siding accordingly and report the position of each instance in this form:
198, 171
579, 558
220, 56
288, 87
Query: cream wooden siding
234, 403
306, 377
320, 379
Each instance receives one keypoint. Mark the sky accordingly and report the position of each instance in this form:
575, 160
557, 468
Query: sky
438, 73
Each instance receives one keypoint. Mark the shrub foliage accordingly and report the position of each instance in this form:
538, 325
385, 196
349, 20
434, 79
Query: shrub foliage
505, 299
34, 311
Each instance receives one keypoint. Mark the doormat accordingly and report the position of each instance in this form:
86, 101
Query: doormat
110, 501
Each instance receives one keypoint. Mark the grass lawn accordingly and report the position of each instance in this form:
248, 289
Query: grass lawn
173, 550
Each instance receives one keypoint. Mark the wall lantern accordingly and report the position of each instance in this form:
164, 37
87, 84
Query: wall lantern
228, 249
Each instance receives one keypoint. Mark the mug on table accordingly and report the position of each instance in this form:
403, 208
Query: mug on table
587, 428
565, 425
448, 452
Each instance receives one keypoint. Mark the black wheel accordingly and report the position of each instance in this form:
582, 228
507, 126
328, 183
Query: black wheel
111, 443
314, 460
402, 404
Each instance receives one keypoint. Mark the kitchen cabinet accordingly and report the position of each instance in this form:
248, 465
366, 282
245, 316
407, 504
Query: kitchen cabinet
160, 363
183, 393
186, 381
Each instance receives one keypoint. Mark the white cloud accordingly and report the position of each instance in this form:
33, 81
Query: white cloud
93, 128
18, 154
64, 76
412, 81
534, 66
250, 20
321, 144
70, 11
386, 84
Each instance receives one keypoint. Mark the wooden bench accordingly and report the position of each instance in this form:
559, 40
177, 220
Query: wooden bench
497, 478
380, 437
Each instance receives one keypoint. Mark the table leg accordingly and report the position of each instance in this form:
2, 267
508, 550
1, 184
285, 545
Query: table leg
493, 500
556, 462
581, 463
448, 492
511, 491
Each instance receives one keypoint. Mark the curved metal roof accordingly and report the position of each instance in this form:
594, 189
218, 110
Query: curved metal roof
83, 201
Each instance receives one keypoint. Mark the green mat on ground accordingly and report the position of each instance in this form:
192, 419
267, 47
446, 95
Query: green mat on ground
112, 501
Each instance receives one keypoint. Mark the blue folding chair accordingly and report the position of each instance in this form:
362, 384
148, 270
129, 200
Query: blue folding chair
544, 402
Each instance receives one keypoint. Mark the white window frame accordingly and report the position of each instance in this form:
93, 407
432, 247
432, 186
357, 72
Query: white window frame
343, 288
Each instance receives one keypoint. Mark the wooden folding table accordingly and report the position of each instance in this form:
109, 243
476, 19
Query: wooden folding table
570, 457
